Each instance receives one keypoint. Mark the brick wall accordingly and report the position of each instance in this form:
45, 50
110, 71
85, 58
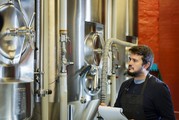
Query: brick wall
159, 28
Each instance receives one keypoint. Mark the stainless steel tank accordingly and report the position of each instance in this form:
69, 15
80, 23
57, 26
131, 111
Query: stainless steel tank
124, 26
16, 64
86, 33
16, 100
76, 33
95, 11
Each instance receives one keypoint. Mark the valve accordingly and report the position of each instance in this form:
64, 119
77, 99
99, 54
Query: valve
43, 92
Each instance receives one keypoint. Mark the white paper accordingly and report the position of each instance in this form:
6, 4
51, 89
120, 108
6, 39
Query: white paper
111, 113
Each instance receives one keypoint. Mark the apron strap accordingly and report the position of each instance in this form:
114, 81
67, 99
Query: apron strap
145, 83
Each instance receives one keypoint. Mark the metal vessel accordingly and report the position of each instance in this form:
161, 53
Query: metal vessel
58, 58
16, 64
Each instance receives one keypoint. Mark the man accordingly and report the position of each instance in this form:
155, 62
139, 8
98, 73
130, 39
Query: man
144, 96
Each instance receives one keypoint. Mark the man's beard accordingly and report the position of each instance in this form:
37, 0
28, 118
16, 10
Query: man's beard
134, 74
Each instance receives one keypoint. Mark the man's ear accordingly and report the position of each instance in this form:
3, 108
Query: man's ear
147, 65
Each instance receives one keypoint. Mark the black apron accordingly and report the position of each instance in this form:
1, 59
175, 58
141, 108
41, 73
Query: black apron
133, 104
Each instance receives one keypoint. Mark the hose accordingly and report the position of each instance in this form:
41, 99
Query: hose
107, 46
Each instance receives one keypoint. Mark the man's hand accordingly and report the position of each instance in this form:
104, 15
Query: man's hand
103, 104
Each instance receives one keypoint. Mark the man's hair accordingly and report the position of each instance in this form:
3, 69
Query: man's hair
145, 52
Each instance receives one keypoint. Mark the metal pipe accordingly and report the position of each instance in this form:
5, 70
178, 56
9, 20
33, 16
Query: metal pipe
108, 44
41, 46
23, 11
42, 43
31, 20
38, 36
39, 68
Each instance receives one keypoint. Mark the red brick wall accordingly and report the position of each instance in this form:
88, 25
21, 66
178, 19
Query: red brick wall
148, 14
169, 47
159, 28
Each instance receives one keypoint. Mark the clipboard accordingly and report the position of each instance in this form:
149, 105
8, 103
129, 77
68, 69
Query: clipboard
111, 113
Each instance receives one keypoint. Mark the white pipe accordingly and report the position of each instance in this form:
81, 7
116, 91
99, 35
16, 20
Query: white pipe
44, 58
63, 14
108, 44
63, 73
113, 89
127, 17
63, 96
108, 19
63, 33
51, 50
